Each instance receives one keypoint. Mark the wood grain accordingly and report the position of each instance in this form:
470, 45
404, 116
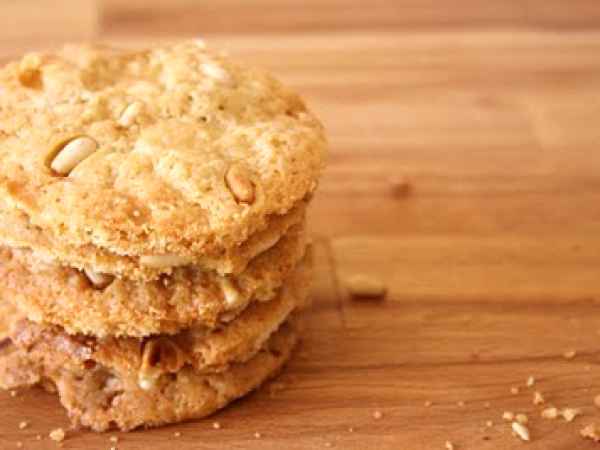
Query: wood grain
488, 112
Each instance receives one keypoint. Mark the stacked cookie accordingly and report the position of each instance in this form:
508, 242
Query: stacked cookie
154, 250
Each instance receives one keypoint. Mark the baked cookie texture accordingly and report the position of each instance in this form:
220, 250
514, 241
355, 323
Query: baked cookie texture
154, 255
128, 382
53, 294
172, 151
97, 398
199, 347
19, 232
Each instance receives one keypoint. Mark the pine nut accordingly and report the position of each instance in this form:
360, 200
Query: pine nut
129, 114
365, 287
147, 382
521, 431
239, 183
232, 296
216, 72
164, 261
99, 280
72, 154
228, 317
159, 355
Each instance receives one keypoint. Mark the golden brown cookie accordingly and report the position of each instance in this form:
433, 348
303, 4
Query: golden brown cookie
52, 294
17, 231
157, 356
96, 397
140, 161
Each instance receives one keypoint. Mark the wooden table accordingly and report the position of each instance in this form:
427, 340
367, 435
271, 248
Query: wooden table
464, 173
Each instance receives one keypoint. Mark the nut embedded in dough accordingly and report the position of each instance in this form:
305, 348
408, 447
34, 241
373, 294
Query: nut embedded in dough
72, 153
99, 280
239, 183
216, 72
163, 261
160, 355
129, 114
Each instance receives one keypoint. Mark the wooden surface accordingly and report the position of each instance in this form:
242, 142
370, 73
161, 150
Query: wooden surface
490, 111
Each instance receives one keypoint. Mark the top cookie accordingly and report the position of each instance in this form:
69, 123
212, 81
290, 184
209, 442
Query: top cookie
171, 151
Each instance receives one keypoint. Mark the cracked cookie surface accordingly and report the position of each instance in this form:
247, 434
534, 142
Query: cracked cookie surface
172, 152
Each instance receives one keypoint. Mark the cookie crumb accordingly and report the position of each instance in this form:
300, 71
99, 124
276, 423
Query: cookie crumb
216, 425
13, 393
257, 435
449, 445
38, 437
569, 354
364, 287
328, 444
550, 413
520, 431
400, 186
530, 381
275, 387
508, 415
514, 390
19, 444
428, 403
460, 404
521, 418
57, 435
351, 429
377, 415
177, 434
113, 439
569, 414
538, 398
489, 423
590, 432
23, 425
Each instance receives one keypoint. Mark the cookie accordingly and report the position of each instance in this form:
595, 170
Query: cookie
53, 294
17, 231
97, 398
156, 158
154, 357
